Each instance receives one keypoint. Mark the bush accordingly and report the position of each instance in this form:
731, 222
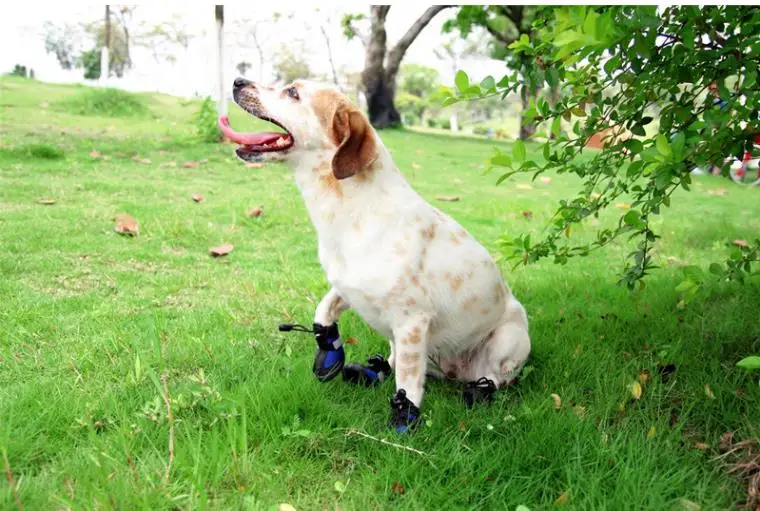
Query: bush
432, 122
40, 151
480, 130
445, 124
206, 122
107, 102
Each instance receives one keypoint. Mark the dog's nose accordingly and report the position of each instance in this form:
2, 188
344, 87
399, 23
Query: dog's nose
239, 83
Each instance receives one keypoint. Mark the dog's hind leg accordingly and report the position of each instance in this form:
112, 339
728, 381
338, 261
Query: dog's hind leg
501, 357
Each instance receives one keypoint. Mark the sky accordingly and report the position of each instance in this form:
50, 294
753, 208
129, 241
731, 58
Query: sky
194, 72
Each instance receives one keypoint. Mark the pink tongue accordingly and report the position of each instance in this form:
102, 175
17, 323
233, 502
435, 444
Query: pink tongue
253, 139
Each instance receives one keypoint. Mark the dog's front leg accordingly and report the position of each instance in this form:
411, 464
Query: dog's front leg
410, 341
330, 356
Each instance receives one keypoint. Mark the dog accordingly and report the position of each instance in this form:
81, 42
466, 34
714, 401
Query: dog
409, 271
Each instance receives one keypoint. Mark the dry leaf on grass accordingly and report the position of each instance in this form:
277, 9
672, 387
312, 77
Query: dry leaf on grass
651, 433
169, 164
397, 488
415, 165
562, 499
285, 507
190, 164
623, 205
419, 151
95, 154
197, 197
144, 161
701, 446
709, 392
720, 192
643, 377
254, 165
527, 214
457, 181
595, 196
46, 202
255, 212
352, 341
635, 390
221, 250
741, 243
524, 186
557, 401
546, 180
447, 198
127, 225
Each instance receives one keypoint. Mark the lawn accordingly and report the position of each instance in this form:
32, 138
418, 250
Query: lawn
98, 331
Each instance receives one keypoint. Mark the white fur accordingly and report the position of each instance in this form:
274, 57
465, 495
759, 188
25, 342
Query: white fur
402, 265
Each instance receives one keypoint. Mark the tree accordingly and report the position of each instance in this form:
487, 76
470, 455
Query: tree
291, 65
419, 80
673, 60
221, 86
381, 66
505, 24
65, 41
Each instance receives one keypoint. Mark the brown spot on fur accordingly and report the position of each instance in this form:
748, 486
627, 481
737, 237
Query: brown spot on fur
485, 312
455, 240
410, 358
469, 303
415, 281
456, 283
411, 301
429, 232
407, 372
414, 337
498, 292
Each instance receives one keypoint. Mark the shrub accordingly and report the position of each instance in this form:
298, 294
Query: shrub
107, 102
206, 122
40, 151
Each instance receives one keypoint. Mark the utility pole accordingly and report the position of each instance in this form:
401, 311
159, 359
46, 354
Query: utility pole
222, 104
104, 52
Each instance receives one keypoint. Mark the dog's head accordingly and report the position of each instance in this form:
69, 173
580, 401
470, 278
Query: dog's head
315, 118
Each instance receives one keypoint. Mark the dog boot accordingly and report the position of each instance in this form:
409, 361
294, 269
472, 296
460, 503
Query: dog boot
479, 391
374, 372
330, 356
404, 415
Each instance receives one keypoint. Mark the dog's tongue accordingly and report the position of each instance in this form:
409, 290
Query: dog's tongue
252, 139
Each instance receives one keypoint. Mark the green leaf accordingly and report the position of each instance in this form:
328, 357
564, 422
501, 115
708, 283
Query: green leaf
518, 151
684, 286
679, 142
462, 81
632, 218
638, 130
567, 37
501, 160
578, 112
635, 146
694, 273
557, 126
751, 363
488, 83
716, 269
663, 146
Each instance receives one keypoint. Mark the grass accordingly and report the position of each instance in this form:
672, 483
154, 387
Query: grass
99, 330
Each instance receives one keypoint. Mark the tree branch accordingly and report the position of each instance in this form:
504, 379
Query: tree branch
502, 38
397, 53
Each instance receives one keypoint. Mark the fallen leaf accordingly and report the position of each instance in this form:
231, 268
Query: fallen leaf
285, 507
221, 250
562, 499
635, 390
741, 243
352, 341
447, 198
457, 181
462, 426
255, 212
623, 205
144, 161
44, 105
95, 154
397, 488
595, 195
254, 165
524, 186
701, 446
651, 432
557, 401
726, 441
546, 180
169, 164
415, 165
197, 197
46, 202
643, 377
527, 214
580, 411
125, 224
720, 192
190, 164
709, 391
204, 160
688, 505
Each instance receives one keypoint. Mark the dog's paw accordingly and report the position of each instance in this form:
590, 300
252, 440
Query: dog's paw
405, 416
480, 391
328, 364
374, 372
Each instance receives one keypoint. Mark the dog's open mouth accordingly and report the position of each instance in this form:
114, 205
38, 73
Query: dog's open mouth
254, 143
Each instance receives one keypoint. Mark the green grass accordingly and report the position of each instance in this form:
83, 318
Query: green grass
92, 320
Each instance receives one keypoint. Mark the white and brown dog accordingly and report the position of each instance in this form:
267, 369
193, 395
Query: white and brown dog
409, 270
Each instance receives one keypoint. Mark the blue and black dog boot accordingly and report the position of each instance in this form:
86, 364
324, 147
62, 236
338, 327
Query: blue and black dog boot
404, 415
480, 391
374, 372
330, 356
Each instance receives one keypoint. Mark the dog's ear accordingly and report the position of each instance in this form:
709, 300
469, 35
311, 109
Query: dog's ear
356, 143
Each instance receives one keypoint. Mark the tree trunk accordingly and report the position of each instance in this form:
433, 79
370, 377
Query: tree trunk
222, 103
379, 78
104, 52
554, 97
329, 54
527, 128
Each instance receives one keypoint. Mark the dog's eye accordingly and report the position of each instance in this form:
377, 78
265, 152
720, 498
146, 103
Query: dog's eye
293, 93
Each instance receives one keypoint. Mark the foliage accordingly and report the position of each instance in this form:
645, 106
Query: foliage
37, 151
20, 70
291, 65
205, 121
119, 59
107, 102
418, 80
65, 42
668, 61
